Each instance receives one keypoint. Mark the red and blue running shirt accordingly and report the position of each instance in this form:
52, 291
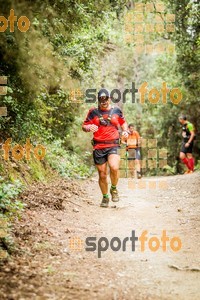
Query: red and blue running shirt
105, 133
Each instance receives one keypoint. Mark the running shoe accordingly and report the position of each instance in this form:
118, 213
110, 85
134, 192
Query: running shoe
114, 194
104, 202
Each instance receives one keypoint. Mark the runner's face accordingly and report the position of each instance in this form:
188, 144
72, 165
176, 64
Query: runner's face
181, 121
131, 129
104, 102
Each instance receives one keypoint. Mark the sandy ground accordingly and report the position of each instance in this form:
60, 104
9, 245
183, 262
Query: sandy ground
45, 265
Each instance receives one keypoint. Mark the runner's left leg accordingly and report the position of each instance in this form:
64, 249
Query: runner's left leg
113, 162
190, 161
103, 182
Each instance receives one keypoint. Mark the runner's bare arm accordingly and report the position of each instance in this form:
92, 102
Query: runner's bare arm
88, 125
124, 127
190, 139
90, 128
123, 140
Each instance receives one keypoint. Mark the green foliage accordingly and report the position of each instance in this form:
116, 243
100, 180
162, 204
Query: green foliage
37, 170
187, 42
61, 49
10, 208
9, 205
68, 163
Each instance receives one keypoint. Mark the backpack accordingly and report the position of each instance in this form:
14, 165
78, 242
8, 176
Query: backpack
104, 122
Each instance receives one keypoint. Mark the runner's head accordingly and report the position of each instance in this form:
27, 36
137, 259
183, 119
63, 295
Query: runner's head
182, 119
131, 127
103, 99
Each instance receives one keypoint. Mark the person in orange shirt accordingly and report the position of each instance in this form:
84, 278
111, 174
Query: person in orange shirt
133, 148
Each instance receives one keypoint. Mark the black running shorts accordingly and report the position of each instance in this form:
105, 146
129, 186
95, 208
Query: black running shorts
101, 155
186, 150
134, 154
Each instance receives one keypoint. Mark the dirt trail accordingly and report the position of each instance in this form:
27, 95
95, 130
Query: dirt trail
48, 268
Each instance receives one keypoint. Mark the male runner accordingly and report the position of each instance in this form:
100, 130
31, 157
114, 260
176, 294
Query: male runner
133, 147
188, 134
104, 122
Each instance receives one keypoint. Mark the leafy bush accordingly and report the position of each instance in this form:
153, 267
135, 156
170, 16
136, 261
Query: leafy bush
68, 163
9, 206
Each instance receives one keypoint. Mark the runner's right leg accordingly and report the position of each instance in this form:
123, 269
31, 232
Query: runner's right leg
103, 182
190, 161
138, 163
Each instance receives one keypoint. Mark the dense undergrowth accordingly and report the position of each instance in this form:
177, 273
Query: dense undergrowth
18, 175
